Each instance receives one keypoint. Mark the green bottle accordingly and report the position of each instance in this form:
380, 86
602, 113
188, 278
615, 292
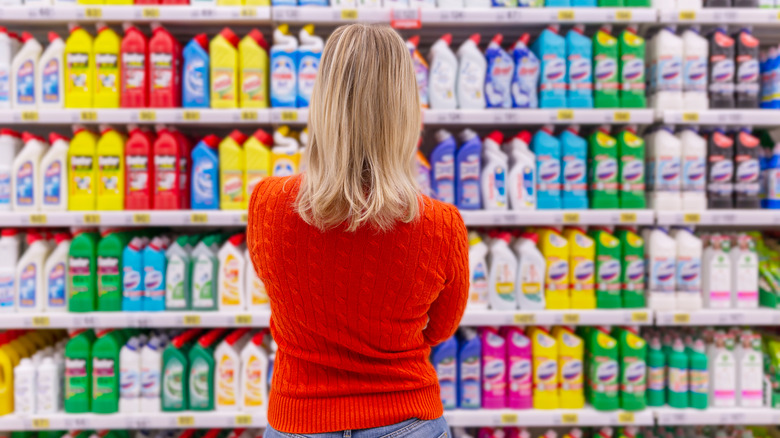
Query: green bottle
603, 370
607, 269
78, 372
175, 371
632, 272
205, 268
105, 371
632, 350
631, 169
656, 368
605, 67
82, 267
202, 366
603, 163
699, 375
109, 272
677, 383
178, 275
632, 69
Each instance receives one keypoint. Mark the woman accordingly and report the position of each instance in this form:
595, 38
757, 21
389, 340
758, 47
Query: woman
364, 273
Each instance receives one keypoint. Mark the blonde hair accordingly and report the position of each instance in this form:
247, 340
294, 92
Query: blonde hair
364, 124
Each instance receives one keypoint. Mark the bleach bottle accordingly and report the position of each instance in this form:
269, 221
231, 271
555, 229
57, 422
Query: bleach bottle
109, 265
154, 274
631, 69
530, 273
284, 62
550, 48
519, 377
9, 244
82, 170
54, 190
133, 274
107, 49
227, 381
232, 274
661, 259
138, 177
195, 81
110, 171
695, 51
548, 169
177, 273
443, 167
579, 57
223, 60
232, 185
205, 174
545, 368
664, 155
665, 54
79, 69
469, 370
257, 161
254, 374
55, 274
444, 359
420, 69
495, 164
134, 71
605, 56
26, 174
493, 369
526, 75
478, 272
10, 144
502, 274
309, 54
253, 74
521, 181
164, 70
631, 168
443, 74
603, 162
468, 165
30, 274
688, 272
24, 74
472, 68
6, 55
498, 80
575, 152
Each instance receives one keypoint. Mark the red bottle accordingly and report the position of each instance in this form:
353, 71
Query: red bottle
147, 2
185, 145
135, 69
164, 70
138, 170
167, 171
175, 2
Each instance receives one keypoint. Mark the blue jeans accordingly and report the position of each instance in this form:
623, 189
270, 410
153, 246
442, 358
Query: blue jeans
413, 428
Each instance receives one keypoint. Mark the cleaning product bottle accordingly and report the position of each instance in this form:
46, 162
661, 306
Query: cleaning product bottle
6, 55
110, 171
24, 387
545, 368
582, 253
164, 70
284, 60
603, 169
579, 51
695, 51
526, 75
79, 69
724, 371
133, 274
699, 376
631, 169
608, 269
468, 166
110, 250
205, 174
151, 373
744, 273
502, 274
54, 191
493, 368
664, 157
716, 273
178, 274
139, 160
555, 249
9, 244
423, 168
205, 268
175, 372
570, 368
632, 270
309, 53
548, 169
286, 154
257, 295
530, 273
55, 273
444, 361
666, 52
472, 68
78, 372
48, 399
750, 367
498, 79
721, 83
656, 380
521, 181
661, 258
82, 170
494, 169
195, 81
106, 51
254, 374
223, 51
574, 151
24, 70
443, 167
82, 272
632, 351
50, 71
478, 272
720, 170
202, 372
232, 185
519, 378
26, 174
420, 70
130, 376
688, 272
677, 384
469, 371
747, 69
154, 274
550, 49
232, 274
30, 274
631, 69
603, 369
746, 170
105, 371
253, 71
10, 144
443, 74
257, 161
134, 69
168, 182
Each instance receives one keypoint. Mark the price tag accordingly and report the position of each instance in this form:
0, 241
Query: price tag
405, 18
199, 218
30, 116
571, 218
147, 116
185, 420
191, 116
248, 115
91, 219
691, 218
509, 419
570, 418
93, 12
88, 116
244, 218
191, 320
40, 423
623, 15
141, 218
150, 13
690, 117
525, 318
565, 114
37, 219
289, 116
621, 116
40, 321
571, 318
625, 417
249, 12
682, 318
243, 420
687, 15
566, 15
243, 319
627, 218
349, 14
640, 316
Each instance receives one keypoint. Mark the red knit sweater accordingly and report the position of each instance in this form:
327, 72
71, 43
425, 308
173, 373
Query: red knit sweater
355, 314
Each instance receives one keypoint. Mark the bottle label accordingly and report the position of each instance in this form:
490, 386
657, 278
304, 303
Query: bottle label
81, 174
199, 383
252, 388
688, 274
604, 376
77, 73
553, 74
5, 187
747, 75
471, 79
470, 382
166, 172
520, 381
162, 70
721, 75
700, 381
203, 188
109, 174
173, 385
525, 80
203, 283
137, 173
132, 286
4, 85
605, 174
25, 83
25, 184
634, 376
606, 73
468, 173
76, 378
283, 78
633, 73
632, 174
668, 73
557, 274
420, 73
106, 73
505, 283
678, 380
498, 80
150, 383
747, 278
695, 74
254, 85
574, 174
720, 280
174, 283
224, 85
655, 378
444, 177
662, 272
233, 186
446, 372
666, 173
28, 290
571, 374
479, 284
721, 175
129, 382
694, 171
56, 292
103, 378
583, 273
52, 183
442, 82
154, 283
307, 73
497, 187
527, 188
195, 78
108, 275
746, 179
134, 74
634, 274
230, 294
579, 73
773, 184
549, 171
545, 374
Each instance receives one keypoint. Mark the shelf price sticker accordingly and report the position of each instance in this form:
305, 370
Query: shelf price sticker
570, 218
93, 12
199, 218
571, 318
248, 12
29, 116
150, 13
249, 115
627, 218
288, 116
190, 116
244, 218
621, 116
691, 218
37, 219
525, 319
569, 418
147, 116
191, 320
640, 316
91, 219
88, 116
141, 218
509, 418
40, 321
243, 420
565, 114
682, 318
687, 15
349, 14
625, 417
690, 117
243, 319
185, 420
566, 15
623, 15
40, 423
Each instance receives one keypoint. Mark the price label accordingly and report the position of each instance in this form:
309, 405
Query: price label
690, 117
525, 318
191, 116
37, 219
91, 219
621, 116
40, 321
199, 218
243, 420
640, 316
349, 14
289, 116
570, 418
623, 15
249, 12
150, 13
147, 116
249, 115
185, 420
244, 218
571, 318
691, 218
566, 15
571, 218
627, 218
625, 417
687, 15
191, 320
243, 319
405, 18
509, 419
93, 12
141, 218
30, 116
40, 423
88, 116
682, 318
565, 114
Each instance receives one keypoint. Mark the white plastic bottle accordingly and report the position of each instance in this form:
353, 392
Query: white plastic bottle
530, 273
472, 68
151, 366
443, 75
478, 272
450, 4
521, 182
750, 371
26, 174
232, 274
227, 375
48, 398
10, 144
688, 272
664, 154
716, 273
502, 287
662, 255
24, 74
177, 281
6, 55
55, 275
50, 75
24, 387
693, 167
9, 248
285, 153
494, 172
687, 5
695, 73
744, 274
723, 371
130, 376
256, 294
254, 375
666, 52
30, 274
53, 192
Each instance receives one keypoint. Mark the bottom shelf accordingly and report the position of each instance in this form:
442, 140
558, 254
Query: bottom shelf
552, 417
141, 420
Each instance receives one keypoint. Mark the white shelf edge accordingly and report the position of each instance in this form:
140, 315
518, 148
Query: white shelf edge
137, 14
163, 319
552, 417
758, 217
557, 217
478, 318
736, 116
761, 316
756, 16
667, 416
537, 116
146, 420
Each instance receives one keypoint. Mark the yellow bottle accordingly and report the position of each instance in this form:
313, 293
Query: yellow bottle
223, 54
257, 2
106, 80
79, 69
285, 155
555, 250
571, 352
25, 347
582, 253
91, 2
12, 353
545, 368
82, 171
37, 339
257, 158
253, 70
6, 380
230, 3
111, 171
231, 172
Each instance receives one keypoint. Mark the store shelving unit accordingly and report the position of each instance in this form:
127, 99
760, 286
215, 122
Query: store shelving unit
721, 317
552, 417
732, 16
558, 217
481, 318
742, 218
755, 117
146, 420
716, 416
137, 14
249, 318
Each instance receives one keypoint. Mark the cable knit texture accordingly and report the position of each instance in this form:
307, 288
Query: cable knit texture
350, 312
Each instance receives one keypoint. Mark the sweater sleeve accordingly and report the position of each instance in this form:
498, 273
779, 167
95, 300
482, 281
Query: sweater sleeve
446, 311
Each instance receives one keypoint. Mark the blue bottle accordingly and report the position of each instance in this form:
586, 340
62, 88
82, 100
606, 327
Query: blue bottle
548, 169
773, 180
195, 83
444, 359
443, 167
470, 370
557, 3
584, 3
498, 79
154, 274
309, 54
204, 193
133, 274
550, 48
579, 62
526, 76
468, 164
574, 150
284, 68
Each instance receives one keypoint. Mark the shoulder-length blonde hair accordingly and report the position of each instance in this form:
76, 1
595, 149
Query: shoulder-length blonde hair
364, 124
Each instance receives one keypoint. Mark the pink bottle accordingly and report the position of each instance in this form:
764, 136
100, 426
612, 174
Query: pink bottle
487, 432
493, 369
519, 393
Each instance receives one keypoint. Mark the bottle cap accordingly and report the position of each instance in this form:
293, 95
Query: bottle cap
259, 38
237, 239
414, 41
258, 337
8, 232
10, 132
505, 236
263, 137
231, 37
185, 337
26, 36
476, 38
209, 338
53, 37
26, 136
32, 237
447, 38
211, 141
3, 29
496, 136
525, 38
61, 237
238, 137
232, 338
497, 39
203, 41
533, 237
53, 137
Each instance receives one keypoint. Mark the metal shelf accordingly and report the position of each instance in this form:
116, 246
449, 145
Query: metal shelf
146, 13
552, 417
478, 318
743, 218
249, 318
721, 317
714, 416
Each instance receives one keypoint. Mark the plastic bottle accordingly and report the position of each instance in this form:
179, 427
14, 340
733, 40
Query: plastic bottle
579, 51
30, 274
556, 251
550, 49
139, 160
205, 268
55, 273
478, 272
582, 252
421, 72
530, 273
665, 54
26, 174
678, 376
309, 53
747, 69
548, 169
205, 174
195, 82
716, 273
575, 151
253, 72
6, 55
256, 293
253, 394
10, 144
178, 274
631, 169
257, 161
79, 69
24, 74
133, 274
175, 372
82, 275
78, 372
423, 168
444, 361
632, 271
632, 351
467, 172
699, 377
48, 399
605, 66
53, 192
107, 49
723, 364
720, 170
498, 80
721, 87
151, 373
134, 91
603, 166
656, 367
744, 273
105, 371
688, 271
286, 153
165, 70
570, 368
746, 170
168, 182
750, 368
232, 184
469, 370
631, 69
519, 377
662, 256
495, 165
502, 274
545, 368
443, 74
110, 284
9, 245
232, 274
472, 69
494, 372
110, 171
443, 167
607, 269
664, 152
24, 388
224, 62
694, 155
603, 369
203, 374
695, 74
526, 75
154, 274
521, 180
130, 376
284, 60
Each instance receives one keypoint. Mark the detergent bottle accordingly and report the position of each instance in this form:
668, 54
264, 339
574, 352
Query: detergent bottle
309, 53
254, 374
6, 55
107, 50
720, 170
253, 71
695, 52
632, 351
130, 375
55, 273
664, 156
195, 81
79, 69
520, 376
747, 69
443, 74
167, 183
656, 367
582, 253
574, 151
154, 274
570, 368
139, 160
444, 360
284, 62
205, 174
469, 371
688, 272
26, 174
420, 70
111, 171
750, 366
232, 274
82, 171
631, 69
608, 268
223, 51
467, 171
472, 68
24, 71
205, 269
603, 169
721, 75
134, 69
133, 274
550, 49
605, 66
30, 274
78, 372
202, 373
530, 273
666, 52
54, 191
443, 167
632, 270
555, 249
661, 257
175, 372
257, 161
494, 371
423, 173
526, 75
178, 274
631, 169
548, 168
232, 185
495, 165
227, 385
105, 371
285, 155
256, 293
602, 369
49, 396
744, 277
545, 368
677, 385
716, 272
579, 51
151, 372
498, 79
746, 170
478, 272
164, 70
521, 181
724, 371
110, 250
699, 375
10, 144
502, 274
